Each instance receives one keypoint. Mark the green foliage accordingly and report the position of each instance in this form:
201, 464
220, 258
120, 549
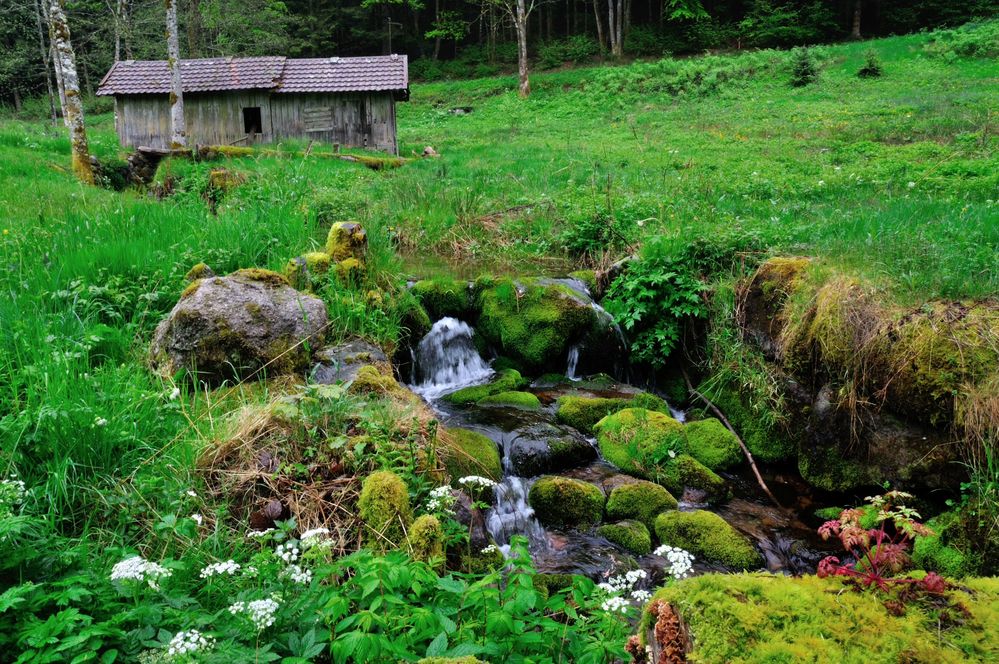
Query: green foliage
576, 49
804, 68
563, 502
639, 500
973, 40
708, 537
775, 23
872, 65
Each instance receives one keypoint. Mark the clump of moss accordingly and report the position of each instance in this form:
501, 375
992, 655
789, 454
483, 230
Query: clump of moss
827, 468
349, 271
472, 453
426, 540
768, 442
684, 471
346, 239
936, 553
563, 502
637, 440
639, 500
589, 278
711, 443
773, 618
304, 272
631, 535
708, 537
384, 509
523, 400
507, 380
191, 288
269, 277
370, 380
447, 297
583, 413
546, 584
199, 271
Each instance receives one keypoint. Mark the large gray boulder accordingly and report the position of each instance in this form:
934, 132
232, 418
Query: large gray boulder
248, 324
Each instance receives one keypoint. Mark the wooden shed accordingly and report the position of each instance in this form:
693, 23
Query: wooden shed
348, 101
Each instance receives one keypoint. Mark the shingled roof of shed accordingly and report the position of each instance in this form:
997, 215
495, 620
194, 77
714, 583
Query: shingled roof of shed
277, 74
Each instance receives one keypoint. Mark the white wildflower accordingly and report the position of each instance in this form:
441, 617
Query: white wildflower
227, 568
101, 422
298, 575
441, 499
680, 561
492, 548
672, 454
476, 480
12, 493
191, 493
188, 643
640, 223
822, 183
317, 537
911, 185
198, 519
259, 533
260, 611
615, 605
175, 394
641, 595
287, 552
138, 568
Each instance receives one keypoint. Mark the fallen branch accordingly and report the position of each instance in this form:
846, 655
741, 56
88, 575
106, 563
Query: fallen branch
728, 425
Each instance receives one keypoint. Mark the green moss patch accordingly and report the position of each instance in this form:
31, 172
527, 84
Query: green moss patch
307, 271
384, 508
426, 540
447, 297
346, 239
631, 535
637, 440
508, 380
472, 453
708, 537
711, 443
639, 500
524, 400
583, 413
566, 503
269, 277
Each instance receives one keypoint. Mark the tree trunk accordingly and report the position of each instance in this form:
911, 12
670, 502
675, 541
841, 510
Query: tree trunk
600, 25
178, 128
45, 59
520, 23
58, 77
611, 34
858, 5
437, 39
66, 64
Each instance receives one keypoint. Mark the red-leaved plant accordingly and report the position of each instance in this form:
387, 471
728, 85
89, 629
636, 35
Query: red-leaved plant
882, 552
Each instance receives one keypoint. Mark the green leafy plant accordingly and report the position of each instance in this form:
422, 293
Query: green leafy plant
872, 65
804, 68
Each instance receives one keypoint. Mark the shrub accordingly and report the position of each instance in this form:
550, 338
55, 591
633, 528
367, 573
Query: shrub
576, 49
974, 40
804, 68
872, 65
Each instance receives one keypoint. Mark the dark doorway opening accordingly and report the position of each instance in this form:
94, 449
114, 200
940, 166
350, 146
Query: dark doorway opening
252, 123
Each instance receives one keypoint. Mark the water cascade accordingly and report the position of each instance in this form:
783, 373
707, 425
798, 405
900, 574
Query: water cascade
446, 360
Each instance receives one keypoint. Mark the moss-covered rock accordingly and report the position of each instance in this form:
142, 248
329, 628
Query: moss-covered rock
639, 500
371, 379
548, 584
589, 279
935, 553
543, 448
426, 540
347, 239
448, 297
199, 271
534, 323
766, 440
711, 443
384, 509
758, 618
508, 380
638, 441
708, 537
583, 413
471, 453
631, 535
307, 271
562, 502
684, 471
523, 400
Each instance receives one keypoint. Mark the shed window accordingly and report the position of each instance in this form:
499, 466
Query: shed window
252, 123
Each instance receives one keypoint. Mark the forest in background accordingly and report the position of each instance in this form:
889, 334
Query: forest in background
445, 39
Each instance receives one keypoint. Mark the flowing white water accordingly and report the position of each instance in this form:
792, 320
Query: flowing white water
572, 363
512, 515
446, 360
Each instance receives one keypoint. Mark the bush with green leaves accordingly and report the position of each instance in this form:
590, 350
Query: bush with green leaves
804, 68
872, 65
576, 49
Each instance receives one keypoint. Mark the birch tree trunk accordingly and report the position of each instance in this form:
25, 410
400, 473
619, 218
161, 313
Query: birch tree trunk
857, 8
46, 60
520, 24
73, 109
178, 128
611, 33
600, 26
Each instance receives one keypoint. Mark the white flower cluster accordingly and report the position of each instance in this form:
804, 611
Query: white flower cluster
188, 643
441, 499
641, 595
11, 495
255, 534
615, 604
138, 568
680, 561
298, 575
260, 611
317, 537
287, 552
624, 583
492, 548
477, 480
228, 568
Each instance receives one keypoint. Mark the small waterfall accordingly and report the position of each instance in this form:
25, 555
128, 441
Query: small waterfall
446, 360
512, 515
572, 363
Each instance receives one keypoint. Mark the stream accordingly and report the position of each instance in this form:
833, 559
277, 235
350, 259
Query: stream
447, 360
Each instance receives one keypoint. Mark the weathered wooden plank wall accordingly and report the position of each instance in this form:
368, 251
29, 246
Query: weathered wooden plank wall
352, 120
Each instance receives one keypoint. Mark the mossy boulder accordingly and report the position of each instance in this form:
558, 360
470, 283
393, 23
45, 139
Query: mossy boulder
514, 399
426, 540
757, 618
562, 502
685, 472
447, 297
347, 239
631, 535
541, 448
637, 440
763, 297
534, 323
250, 323
766, 439
384, 509
471, 453
711, 443
549, 584
708, 537
639, 500
341, 363
583, 413
936, 553
507, 380
378, 380
308, 270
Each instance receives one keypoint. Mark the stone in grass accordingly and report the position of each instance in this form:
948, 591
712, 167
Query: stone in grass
639, 500
347, 239
522, 400
507, 380
384, 509
708, 537
563, 502
710, 442
631, 535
